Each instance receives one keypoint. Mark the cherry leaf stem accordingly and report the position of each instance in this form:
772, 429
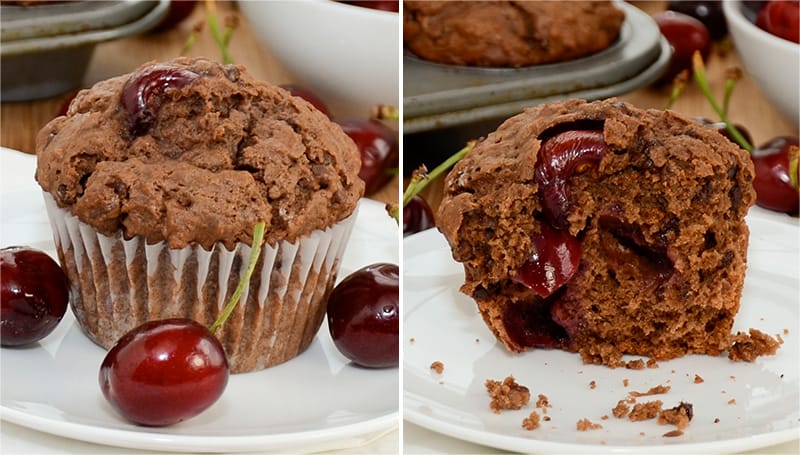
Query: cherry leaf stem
701, 79
421, 178
213, 25
255, 252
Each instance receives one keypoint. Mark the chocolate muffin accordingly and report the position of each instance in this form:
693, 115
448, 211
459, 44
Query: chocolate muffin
602, 229
154, 181
507, 33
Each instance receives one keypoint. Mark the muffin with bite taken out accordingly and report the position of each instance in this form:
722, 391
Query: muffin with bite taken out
602, 229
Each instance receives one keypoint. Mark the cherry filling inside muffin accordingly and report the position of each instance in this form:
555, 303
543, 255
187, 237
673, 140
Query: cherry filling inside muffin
544, 319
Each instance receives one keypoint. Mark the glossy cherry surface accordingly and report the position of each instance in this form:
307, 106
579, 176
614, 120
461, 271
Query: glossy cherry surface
685, 34
417, 216
560, 157
164, 372
378, 146
773, 186
555, 259
781, 18
708, 12
364, 315
144, 92
307, 95
34, 295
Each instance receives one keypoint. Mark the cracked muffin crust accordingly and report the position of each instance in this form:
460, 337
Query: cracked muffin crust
223, 152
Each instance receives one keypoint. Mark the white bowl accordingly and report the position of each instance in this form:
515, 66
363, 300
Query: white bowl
773, 62
348, 55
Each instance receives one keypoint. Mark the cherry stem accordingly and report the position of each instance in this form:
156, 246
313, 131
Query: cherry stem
678, 84
219, 38
394, 211
384, 112
255, 252
702, 82
731, 77
420, 177
794, 166
191, 40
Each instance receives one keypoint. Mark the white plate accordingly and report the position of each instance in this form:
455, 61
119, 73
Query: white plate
317, 401
757, 404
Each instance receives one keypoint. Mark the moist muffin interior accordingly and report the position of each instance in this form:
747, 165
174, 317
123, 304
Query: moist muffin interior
660, 223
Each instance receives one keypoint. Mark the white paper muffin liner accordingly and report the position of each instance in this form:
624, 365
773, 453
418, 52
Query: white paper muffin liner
118, 284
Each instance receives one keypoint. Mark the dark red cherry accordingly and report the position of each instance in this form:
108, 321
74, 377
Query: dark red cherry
177, 12
781, 18
307, 95
685, 34
555, 259
34, 294
363, 316
164, 372
378, 145
144, 92
772, 183
383, 5
417, 216
708, 12
560, 157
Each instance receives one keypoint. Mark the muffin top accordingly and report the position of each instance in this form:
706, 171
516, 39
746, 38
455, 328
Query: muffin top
508, 33
667, 164
193, 152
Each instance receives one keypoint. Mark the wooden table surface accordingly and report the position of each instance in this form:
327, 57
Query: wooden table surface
21, 121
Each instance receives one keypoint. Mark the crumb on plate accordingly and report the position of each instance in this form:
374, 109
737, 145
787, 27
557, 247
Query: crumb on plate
507, 394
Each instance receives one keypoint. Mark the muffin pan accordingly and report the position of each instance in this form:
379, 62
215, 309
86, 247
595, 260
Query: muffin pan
46, 48
438, 96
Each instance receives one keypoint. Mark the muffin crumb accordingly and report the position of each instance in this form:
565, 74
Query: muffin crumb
543, 403
621, 409
680, 415
657, 390
507, 394
437, 366
531, 422
586, 425
645, 411
637, 364
698, 379
749, 346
